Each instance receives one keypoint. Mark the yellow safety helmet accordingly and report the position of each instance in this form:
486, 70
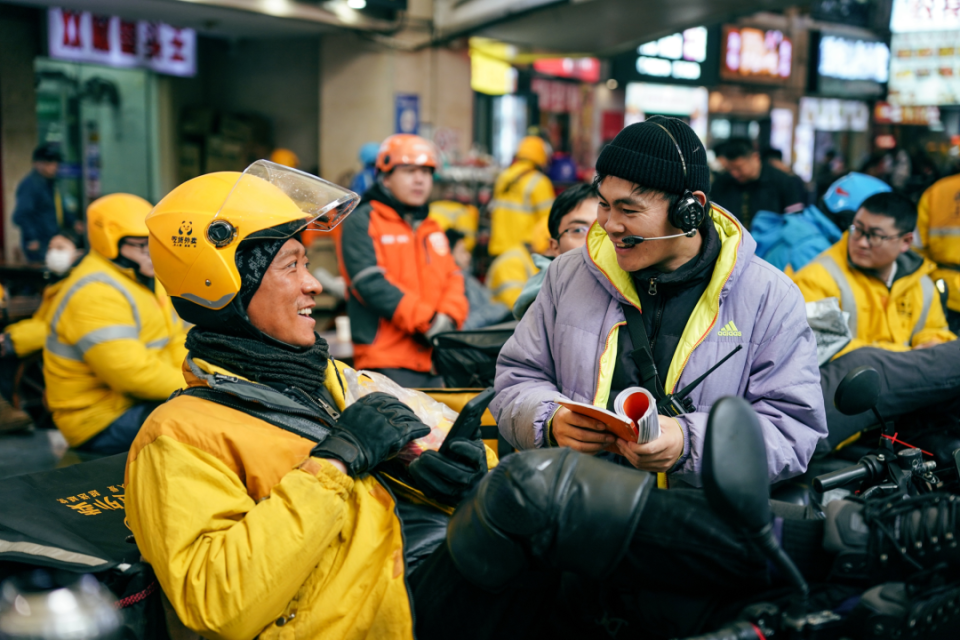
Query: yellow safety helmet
196, 229
535, 149
285, 157
113, 218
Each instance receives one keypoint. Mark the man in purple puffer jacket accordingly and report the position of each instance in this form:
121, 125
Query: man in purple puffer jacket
700, 294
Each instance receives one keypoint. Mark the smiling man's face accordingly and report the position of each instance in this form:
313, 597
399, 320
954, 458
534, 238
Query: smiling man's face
624, 211
283, 305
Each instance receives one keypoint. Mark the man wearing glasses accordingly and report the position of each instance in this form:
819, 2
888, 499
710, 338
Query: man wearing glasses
114, 348
895, 314
572, 214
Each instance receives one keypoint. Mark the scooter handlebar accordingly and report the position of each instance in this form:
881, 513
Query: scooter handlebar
735, 631
835, 479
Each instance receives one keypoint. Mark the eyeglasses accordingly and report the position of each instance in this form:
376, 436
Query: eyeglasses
873, 239
575, 232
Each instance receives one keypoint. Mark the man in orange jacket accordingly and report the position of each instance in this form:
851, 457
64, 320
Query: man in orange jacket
403, 286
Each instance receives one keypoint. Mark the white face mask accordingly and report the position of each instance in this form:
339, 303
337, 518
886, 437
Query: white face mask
59, 260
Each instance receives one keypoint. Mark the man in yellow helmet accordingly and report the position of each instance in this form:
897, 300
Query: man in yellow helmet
115, 344
522, 196
252, 492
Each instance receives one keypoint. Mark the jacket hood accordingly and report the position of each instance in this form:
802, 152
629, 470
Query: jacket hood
737, 248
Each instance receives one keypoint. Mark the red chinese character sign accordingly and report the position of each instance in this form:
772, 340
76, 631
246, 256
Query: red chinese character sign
108, 40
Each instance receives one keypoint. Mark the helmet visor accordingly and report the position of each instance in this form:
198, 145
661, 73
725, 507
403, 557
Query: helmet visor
273, 201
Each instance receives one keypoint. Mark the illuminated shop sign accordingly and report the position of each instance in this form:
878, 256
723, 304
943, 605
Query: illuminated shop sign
755, 55
584, 69
924, 15
925, 68
853, 59
81, 36
675, 56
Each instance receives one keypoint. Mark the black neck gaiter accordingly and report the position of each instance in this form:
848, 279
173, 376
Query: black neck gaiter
275, 365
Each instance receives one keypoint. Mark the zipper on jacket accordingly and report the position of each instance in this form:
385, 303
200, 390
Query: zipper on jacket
403, 548
282, 409
652, 288
657, 320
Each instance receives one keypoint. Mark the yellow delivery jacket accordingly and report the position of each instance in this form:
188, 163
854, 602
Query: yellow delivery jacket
112, 343
938, 224
900, 318
28, 336
508, 273
251, 537
522, 197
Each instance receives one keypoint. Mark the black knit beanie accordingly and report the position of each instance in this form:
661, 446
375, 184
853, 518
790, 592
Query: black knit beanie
644, 154
253, 259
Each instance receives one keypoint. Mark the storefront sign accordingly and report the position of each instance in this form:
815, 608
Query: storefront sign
925, 67
676, 56
584, 69
925, 15
81, 36
645, 99
407, 113
557, 97
755, 55
886, 113
826, 114
853, 59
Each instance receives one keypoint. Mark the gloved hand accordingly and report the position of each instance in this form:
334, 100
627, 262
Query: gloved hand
371, 430
450, 477
441, 324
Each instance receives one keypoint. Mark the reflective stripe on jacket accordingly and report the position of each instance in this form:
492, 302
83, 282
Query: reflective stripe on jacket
566, 346
907, 314
938, 224
397, 280
244, 529
509, 273
29, 335
465, 218
522, 197
111, 343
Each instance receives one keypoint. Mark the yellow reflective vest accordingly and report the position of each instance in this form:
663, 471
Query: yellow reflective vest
111, 343
508, 273
28, 336
251, 537
938, 225
522, 197
899, 318
465, 218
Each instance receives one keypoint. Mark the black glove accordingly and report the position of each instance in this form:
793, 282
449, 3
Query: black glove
450, 477
371, 430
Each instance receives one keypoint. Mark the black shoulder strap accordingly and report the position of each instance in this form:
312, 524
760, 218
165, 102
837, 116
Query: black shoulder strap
642, 354
304, 427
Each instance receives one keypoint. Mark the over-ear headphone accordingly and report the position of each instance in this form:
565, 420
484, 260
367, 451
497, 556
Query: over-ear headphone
687, 214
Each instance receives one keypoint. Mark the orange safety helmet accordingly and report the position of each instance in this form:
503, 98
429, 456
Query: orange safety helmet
405, 148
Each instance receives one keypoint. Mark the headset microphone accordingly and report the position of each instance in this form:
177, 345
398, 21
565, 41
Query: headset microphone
632, 241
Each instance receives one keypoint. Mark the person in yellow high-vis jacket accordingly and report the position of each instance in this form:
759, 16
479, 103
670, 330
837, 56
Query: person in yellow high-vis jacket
938, 238
522, 196
895, 316
114, 344
509, 273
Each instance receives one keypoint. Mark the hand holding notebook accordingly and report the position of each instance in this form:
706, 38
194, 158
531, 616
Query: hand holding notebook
634, 418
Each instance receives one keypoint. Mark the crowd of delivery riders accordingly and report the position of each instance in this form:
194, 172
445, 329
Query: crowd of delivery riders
183, 335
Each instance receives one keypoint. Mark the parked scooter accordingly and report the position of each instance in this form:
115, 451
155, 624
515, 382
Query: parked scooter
734, 477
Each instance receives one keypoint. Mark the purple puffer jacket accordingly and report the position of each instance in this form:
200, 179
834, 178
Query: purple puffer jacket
566, 344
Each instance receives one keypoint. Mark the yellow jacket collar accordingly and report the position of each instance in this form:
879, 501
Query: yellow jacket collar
604, 256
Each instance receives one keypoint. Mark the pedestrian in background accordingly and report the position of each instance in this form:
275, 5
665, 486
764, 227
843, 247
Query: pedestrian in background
39, 211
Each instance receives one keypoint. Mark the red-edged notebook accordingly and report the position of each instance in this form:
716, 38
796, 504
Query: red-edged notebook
634, 418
